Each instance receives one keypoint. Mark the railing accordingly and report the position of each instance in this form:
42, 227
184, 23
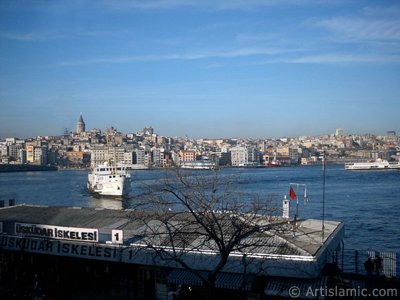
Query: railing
390, 262
6, 203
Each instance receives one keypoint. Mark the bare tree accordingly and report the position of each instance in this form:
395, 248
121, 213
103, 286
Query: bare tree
197, 215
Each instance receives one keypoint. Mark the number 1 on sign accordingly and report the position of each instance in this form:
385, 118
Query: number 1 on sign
117, 236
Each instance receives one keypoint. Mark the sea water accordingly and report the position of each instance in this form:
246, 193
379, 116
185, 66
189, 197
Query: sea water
367, 202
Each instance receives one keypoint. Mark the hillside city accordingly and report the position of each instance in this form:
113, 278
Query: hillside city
146, 148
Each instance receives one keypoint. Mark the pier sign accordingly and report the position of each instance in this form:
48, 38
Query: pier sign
58, 247
117, 236
57, 232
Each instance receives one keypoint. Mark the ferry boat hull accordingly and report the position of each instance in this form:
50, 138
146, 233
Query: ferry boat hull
199, 165
117, 187
109, 181
376, 165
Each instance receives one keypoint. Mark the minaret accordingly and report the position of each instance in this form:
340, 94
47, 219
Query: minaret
80, 125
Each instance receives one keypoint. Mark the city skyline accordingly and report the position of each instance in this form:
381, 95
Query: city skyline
80, 128
211, 69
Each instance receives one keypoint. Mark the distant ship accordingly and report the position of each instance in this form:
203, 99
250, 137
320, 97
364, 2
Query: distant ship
379, 164
108, 180
274, 163
199, 165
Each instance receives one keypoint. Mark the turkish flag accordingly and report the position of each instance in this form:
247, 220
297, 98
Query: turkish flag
292, 194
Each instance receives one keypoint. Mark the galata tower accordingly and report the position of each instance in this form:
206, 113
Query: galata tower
80, 125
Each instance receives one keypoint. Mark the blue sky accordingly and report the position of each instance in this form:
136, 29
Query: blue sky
234, 68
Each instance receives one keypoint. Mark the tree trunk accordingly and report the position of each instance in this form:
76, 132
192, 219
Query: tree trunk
211, 286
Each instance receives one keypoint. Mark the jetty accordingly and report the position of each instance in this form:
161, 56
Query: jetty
104, 253
25, 168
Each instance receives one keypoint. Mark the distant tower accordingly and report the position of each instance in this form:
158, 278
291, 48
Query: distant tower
339, 132
148, 130
80, 125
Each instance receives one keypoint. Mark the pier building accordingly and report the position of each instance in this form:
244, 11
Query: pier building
73, 250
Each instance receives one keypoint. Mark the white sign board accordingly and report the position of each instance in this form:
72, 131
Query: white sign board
57, 232
117, 236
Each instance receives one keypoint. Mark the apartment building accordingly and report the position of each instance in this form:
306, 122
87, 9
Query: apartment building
187, 155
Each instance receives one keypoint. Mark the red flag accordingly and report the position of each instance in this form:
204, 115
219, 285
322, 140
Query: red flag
292, 194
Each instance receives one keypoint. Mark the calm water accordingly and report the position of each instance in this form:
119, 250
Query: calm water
368, 202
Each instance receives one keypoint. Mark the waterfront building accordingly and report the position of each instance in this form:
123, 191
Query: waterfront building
245, 156
52, 157
130, 157
166, 159
89, 247
140, 157
22, 156
3, 153
157, 156
239, 156
3, 149
294, 155
75, 157
187, 155
80, 125
76, 249
40, 155
224, 158
289, 154
148, 159
254, 155
36, 155
13, 150
175, 157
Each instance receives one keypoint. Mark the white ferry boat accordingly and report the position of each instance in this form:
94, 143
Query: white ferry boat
379, 164
199, 165
109, 180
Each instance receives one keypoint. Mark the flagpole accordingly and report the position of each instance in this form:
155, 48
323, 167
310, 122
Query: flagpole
297, 202
295, 195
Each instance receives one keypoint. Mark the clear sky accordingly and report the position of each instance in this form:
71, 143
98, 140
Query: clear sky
201, 68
